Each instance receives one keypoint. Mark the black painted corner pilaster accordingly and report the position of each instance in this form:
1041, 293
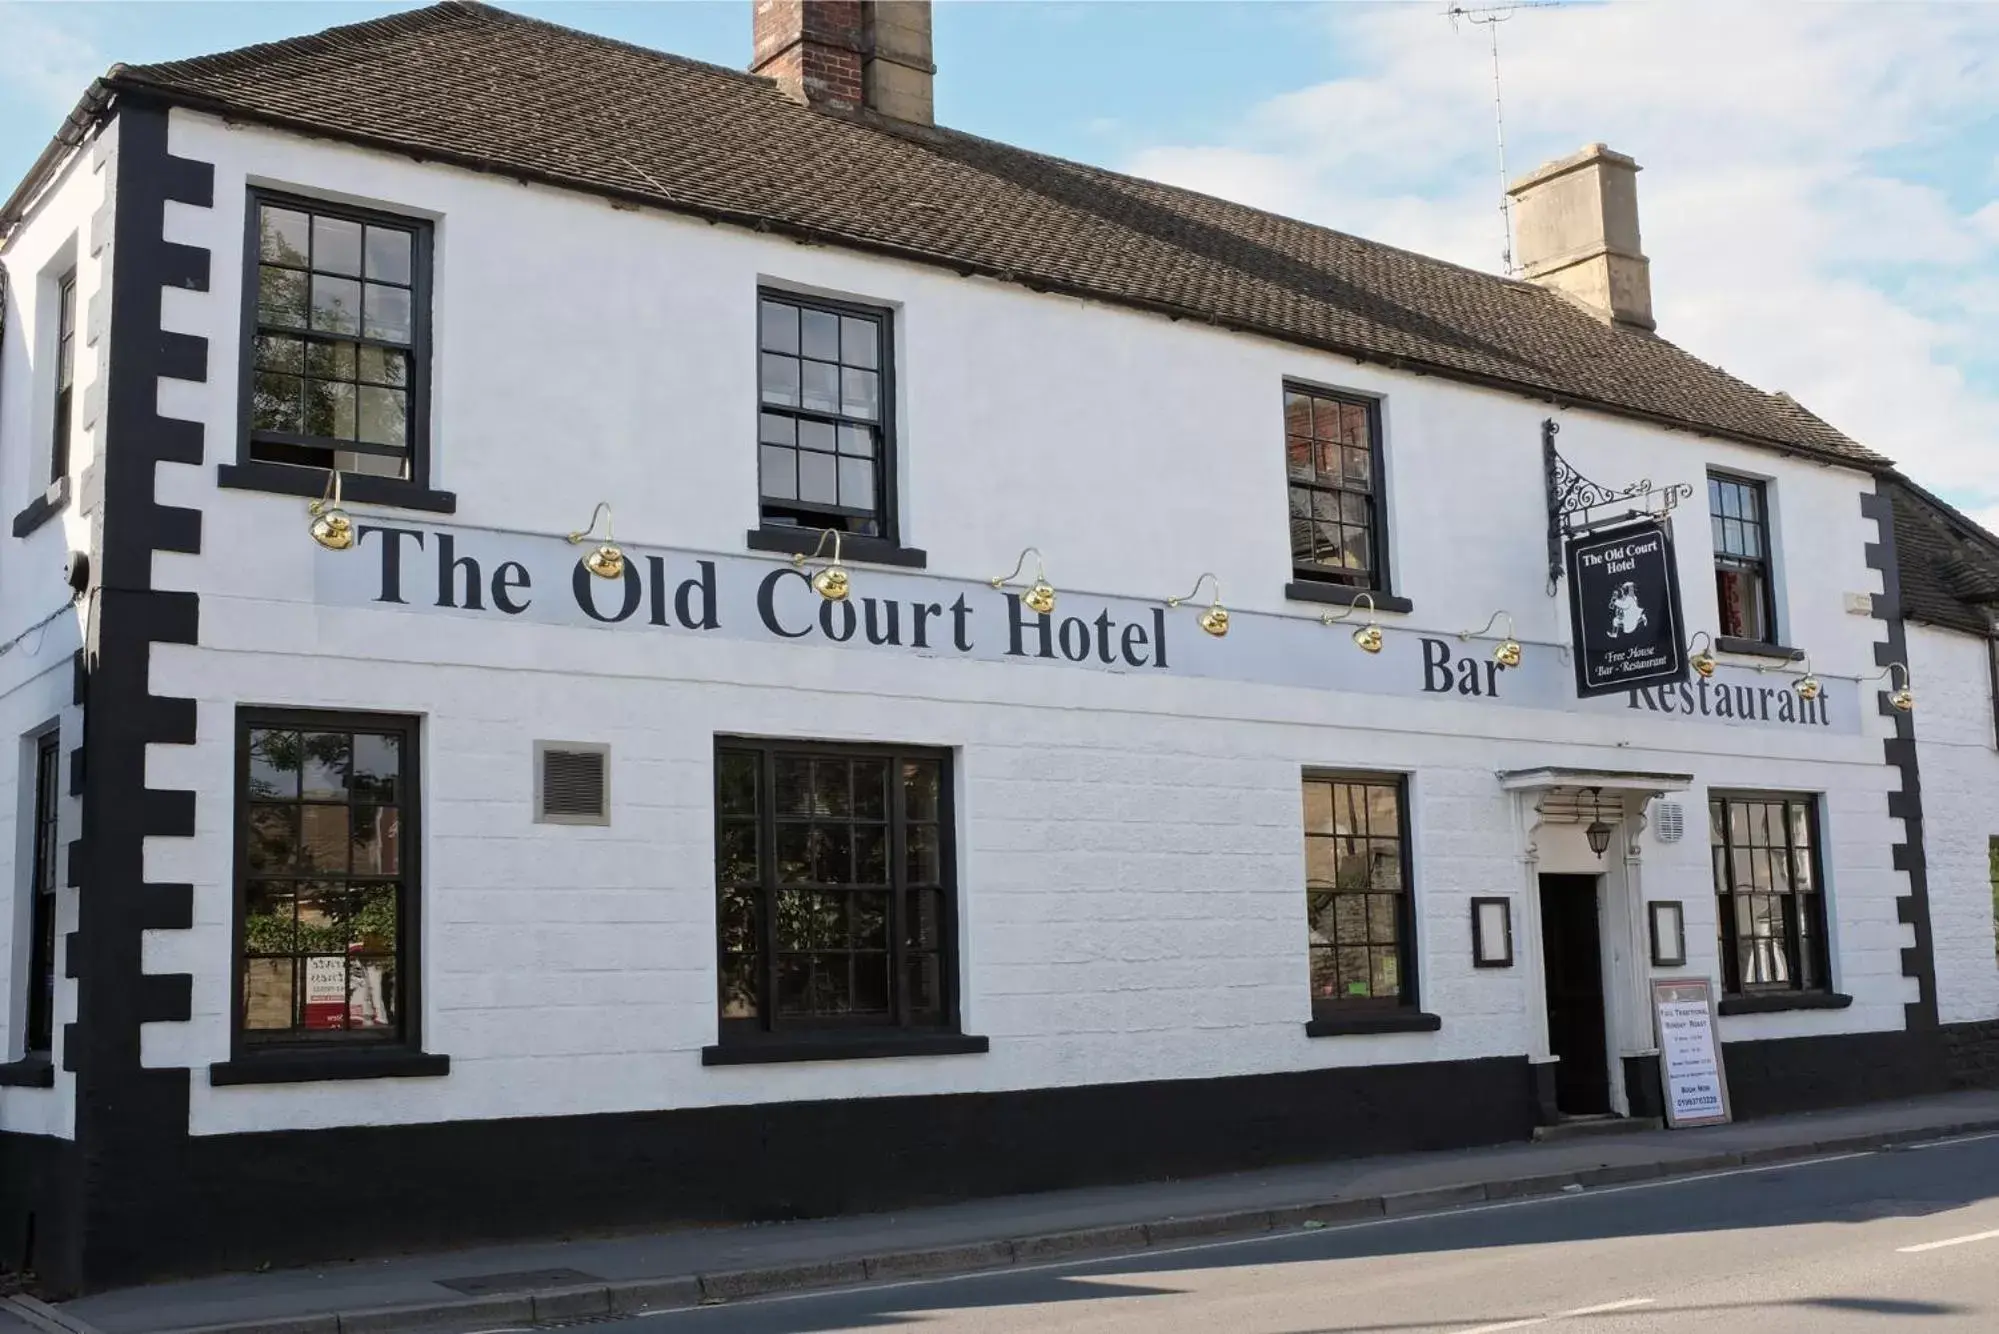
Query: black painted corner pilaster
1899, 753
131, 1123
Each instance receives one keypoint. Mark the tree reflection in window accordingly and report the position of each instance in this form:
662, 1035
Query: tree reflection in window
323, 882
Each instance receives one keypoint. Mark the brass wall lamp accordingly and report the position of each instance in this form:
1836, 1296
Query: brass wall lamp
1807, 685
607, 561
1701, 660
1507, 652
1903, 699
1368, 637
830, 580
1040, 595
1215, 620
331, 527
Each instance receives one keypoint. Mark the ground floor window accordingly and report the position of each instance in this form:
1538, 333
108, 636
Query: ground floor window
1767, 879
40, 1035
835, 888
1358, 910
326, 875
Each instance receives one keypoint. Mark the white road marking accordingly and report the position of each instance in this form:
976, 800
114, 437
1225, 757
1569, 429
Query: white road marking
1948, 1241
1624, 1305
1949, 1143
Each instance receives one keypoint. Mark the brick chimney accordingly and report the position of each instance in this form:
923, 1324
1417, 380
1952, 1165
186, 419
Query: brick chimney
848, 55
1575, 225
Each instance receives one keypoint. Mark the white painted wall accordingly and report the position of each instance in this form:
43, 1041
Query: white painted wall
35, 677
1959, 763
1130, 858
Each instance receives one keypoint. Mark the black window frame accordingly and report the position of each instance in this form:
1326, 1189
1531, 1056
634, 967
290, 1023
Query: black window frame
886, 513
1764, 566
769, 1035
65, 376
45, 814
1353, 1014
249, 472
289, 1055
1377, 579
1807, 953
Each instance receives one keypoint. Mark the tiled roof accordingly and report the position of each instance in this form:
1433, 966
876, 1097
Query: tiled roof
484, 88
1949, 566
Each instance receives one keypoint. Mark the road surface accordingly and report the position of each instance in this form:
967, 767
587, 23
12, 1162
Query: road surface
1903, 1240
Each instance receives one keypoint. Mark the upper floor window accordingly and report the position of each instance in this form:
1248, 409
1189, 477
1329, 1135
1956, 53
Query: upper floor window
827, 444
65, 375
1766, 875
339, 349
1332, 448
1739, 512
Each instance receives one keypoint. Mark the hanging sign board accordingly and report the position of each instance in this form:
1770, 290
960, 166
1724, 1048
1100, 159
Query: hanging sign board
1695, 1084
1624, 605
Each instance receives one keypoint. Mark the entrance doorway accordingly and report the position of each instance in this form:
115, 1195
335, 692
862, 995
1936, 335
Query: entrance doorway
1572, 952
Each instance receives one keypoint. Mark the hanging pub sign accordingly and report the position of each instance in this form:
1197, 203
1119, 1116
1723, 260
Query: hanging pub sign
1624, 603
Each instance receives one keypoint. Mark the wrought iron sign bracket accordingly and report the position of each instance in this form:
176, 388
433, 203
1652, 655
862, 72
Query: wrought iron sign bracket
1577, 505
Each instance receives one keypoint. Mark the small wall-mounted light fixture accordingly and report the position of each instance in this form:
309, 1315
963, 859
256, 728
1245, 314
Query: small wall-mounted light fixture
1903, 699
1507, 653
1368, 637
830, 580
1701, 660
1669, 934
1215, 620
1040, 595
607, 561
1491, 933
331, 527
1807, 685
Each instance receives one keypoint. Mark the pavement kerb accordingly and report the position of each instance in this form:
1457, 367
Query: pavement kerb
465, 1315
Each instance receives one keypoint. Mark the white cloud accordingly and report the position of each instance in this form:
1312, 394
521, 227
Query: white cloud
1785, 244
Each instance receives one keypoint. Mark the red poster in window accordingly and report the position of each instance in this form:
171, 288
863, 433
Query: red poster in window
325, 992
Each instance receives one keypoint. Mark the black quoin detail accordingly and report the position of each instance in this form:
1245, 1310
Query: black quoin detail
100, 1208
1899, 751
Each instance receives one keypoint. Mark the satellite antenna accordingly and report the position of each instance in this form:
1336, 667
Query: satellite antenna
1490, 17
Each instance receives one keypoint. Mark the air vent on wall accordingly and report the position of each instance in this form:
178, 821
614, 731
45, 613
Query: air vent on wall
572, 782
1671, 822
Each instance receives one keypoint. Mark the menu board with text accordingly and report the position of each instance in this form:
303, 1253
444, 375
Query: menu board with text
1690, 1068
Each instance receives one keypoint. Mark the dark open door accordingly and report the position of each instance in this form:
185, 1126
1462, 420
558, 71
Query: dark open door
1572, 955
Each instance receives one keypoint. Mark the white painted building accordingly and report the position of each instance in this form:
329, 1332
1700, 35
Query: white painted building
516, 882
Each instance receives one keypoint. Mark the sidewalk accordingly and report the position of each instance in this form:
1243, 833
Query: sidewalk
493, 1286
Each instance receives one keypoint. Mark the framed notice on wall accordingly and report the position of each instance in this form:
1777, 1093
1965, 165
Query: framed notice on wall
1624, 607
1690, 1069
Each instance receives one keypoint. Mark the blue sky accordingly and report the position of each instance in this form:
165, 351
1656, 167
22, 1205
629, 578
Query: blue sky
1820, 201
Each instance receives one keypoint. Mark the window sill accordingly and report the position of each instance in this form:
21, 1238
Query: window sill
1755, 648
42, 508
285, 480
1777, 1002
293, 1066
843, 1047
33, 1071
1339, 595
867, 550
1373, 1021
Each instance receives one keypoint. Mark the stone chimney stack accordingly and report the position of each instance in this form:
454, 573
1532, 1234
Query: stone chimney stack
1575, 224
848, 55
